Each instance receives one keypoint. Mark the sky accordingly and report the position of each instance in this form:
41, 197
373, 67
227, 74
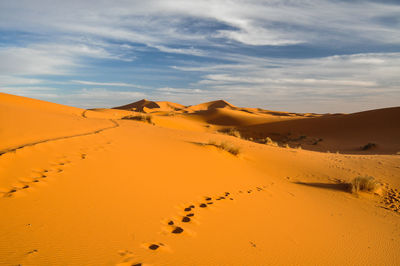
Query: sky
300, 56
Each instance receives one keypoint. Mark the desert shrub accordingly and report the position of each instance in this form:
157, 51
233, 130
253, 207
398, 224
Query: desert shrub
287, 145
368, 146
141, 117
231, 132
364, 183
317, 141
225, 146
269, 141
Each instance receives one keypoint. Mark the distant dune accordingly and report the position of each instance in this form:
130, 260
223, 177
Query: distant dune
374, 131
348, 133
159, 183
148, 106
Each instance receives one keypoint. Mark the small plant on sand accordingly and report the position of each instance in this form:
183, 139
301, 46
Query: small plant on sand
287, 146
368, 146
141, 117
231, 132
269, 141
225, 146
364, 183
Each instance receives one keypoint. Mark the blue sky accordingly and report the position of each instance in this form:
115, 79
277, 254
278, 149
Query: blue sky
302, 56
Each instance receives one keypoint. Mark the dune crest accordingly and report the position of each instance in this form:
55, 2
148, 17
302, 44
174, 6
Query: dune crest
147, 106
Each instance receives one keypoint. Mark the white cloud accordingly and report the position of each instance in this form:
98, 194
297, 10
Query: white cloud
111, 84
49, 58
163, 23
179, 90
31, 61
100, 97
44, 93
346, 82
190, 51
15, 80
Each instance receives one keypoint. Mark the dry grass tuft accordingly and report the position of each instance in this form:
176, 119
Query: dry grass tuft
142, 118
368, 146
226, 147
364, 183
287, 146
270, 142
231, 132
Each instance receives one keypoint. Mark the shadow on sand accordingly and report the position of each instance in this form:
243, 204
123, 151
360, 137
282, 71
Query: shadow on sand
344, 187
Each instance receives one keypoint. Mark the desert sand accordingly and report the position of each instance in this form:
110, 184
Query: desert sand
159, 183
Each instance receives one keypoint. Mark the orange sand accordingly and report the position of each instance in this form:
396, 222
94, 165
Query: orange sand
85, 187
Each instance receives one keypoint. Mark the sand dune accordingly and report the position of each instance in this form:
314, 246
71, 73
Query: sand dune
350, 133
27, 120
103, 190
210, 106
150, 106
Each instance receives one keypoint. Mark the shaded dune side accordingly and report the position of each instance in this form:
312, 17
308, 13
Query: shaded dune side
139, 105
150, 106
210, 106
229, 117
342, 132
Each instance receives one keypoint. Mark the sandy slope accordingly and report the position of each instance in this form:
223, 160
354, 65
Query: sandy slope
343, 132
26, 121
109, 198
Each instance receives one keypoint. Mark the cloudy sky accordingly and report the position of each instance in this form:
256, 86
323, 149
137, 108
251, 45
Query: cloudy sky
304, 56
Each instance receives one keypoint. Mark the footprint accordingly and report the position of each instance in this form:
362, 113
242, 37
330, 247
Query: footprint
190, 214
154, 246
25, 187
32, 251
83, 156
186, 219
208, 198
177, 230
171, 223
10, 193
203, 205
210, 203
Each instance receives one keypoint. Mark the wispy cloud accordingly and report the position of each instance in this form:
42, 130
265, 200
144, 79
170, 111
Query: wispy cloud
100, 97
179, 90
15, 80
111, 84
